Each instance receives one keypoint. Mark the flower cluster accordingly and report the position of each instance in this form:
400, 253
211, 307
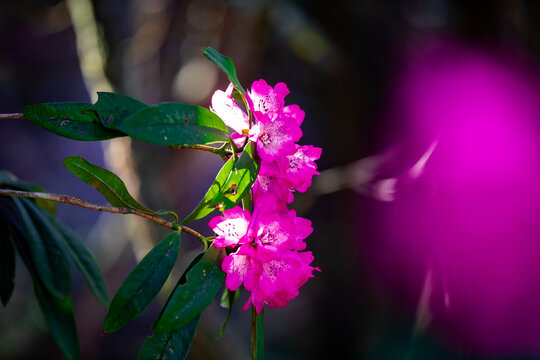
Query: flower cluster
267, 257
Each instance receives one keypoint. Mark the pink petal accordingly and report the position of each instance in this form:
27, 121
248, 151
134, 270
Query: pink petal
224, 106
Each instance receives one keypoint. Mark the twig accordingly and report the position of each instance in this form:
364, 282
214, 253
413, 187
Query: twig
111, 209
220, 151
12, 116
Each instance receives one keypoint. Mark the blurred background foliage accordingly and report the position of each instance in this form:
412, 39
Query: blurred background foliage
338, 58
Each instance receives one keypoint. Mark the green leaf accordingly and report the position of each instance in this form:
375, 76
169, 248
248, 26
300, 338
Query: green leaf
143, 284
175, 124
7, 262
43, 239
84, 259
187, 301
10, 181
114, 108
204, 208
71, 120
257, 334
58, 314
107, 183
228, 298
173, 345
239, 181
226, 65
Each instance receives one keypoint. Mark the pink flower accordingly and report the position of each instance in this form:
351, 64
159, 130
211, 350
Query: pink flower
275, 137
295, 112
270, 181
267, 257
231, 227
280, 279
299, 167
224, 106
242, 267
267, 100
279, 231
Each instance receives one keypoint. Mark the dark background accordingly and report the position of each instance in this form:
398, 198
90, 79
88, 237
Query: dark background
338, 58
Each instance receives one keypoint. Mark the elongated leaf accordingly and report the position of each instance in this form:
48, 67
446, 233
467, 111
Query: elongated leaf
187, 301
114, 108
143, 283
228, 298
226, 65
173, 345
107, 183
204, 208
10, 181
71, 120
10, 213
7, 262
51, 262
239, 182
58, 314
175, 124
84, 259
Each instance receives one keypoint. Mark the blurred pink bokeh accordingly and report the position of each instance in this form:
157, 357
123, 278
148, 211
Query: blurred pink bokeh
471, 219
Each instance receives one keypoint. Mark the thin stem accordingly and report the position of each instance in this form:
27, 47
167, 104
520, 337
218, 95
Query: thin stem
246, 104
219, 151
72, 200
234, 149
12, 116
257, 334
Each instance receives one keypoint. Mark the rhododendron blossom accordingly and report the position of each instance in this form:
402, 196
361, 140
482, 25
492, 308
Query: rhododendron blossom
228, 110
280, 279
299, 167
275, 137
231, 227
266, 246
267, 100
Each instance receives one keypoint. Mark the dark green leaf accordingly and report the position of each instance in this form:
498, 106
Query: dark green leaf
107, 183
239, 182
257, 335
10, 214
7, 262
84, 259
175, 124
226, 65
204, 208
143, 284
58, 314
114, 108
43, 239
187, 301
71, 120
170, 346
228, 298
10, 181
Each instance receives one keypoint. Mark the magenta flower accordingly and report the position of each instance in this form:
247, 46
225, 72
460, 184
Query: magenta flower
279, 231
224, 106
231, 227
299, 168
242, 267
264, 99
270, 181
267, 257
280, 279
295, 112
275, 137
